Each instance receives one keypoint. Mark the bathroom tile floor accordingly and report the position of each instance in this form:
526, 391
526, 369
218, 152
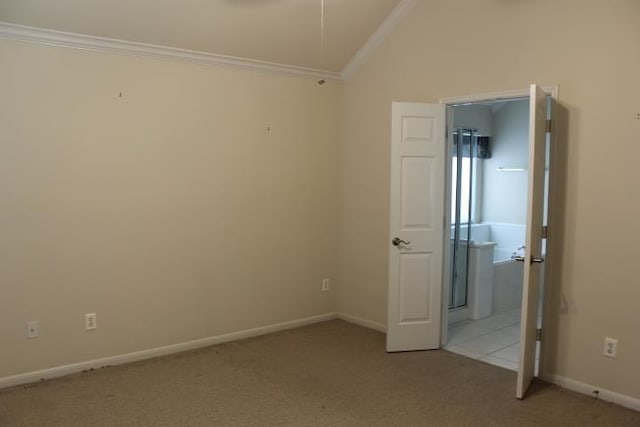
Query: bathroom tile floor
494, 339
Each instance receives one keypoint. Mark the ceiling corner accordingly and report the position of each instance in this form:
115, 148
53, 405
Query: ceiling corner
385, 29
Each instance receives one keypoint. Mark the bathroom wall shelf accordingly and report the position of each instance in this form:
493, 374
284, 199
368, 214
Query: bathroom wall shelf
503, 169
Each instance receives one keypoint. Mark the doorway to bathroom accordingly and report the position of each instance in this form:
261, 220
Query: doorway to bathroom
488, 159
420, 251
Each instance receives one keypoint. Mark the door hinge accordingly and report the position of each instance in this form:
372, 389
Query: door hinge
538, 334
547, 126
545, 231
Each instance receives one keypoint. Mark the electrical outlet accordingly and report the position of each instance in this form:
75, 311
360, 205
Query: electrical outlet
33, 329
610, 347
326, 286
90, 321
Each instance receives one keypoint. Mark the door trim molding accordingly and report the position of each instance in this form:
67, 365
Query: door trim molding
497, 96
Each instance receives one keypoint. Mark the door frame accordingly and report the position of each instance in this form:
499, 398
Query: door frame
551, 90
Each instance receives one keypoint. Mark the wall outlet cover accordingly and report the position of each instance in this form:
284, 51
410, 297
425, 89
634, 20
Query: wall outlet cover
90, 321
610, 347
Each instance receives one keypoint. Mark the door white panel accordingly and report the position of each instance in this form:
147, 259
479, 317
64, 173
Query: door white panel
417, 209
533, 239
417, 129
417, 175
414, 296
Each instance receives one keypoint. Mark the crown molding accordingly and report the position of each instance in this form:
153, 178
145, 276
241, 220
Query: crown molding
43, 36
380, 35
23, 33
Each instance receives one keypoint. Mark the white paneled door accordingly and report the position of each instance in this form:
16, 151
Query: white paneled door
533, 240
417, 230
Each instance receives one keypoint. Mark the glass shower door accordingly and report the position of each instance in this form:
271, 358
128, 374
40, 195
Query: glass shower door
464, 147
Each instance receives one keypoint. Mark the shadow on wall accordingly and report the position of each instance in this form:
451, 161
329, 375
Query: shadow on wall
555, 303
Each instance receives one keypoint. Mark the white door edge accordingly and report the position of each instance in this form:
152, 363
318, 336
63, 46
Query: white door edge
538, 111
446, 258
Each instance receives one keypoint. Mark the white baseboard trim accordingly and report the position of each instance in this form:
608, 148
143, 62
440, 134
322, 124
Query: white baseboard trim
362, 322
588, 389
59, 371
135, 356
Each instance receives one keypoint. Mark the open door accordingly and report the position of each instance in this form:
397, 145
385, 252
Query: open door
417, 211
533, 240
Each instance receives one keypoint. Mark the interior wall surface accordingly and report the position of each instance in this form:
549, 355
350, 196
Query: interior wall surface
589, 49
176, 201
504, 193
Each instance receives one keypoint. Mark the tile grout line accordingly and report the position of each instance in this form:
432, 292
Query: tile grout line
482, 335
500, 349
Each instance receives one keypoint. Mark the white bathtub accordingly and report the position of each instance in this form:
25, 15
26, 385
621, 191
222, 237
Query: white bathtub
507, 280
507, 273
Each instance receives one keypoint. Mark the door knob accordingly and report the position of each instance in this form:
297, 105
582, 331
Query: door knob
398, 241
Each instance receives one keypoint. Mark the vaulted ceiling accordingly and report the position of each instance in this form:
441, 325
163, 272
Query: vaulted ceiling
278, 31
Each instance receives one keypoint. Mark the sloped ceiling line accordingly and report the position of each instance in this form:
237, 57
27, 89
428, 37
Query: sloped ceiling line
100, 44
378, 37
47, 37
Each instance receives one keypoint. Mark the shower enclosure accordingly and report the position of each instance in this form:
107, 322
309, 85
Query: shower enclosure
464, 149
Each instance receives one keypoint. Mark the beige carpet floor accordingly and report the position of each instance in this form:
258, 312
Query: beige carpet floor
329, 374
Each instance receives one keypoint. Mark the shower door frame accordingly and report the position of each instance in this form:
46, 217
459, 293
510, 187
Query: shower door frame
509, 95
458, 214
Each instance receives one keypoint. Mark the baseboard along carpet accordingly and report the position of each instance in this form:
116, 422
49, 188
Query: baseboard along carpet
328, 374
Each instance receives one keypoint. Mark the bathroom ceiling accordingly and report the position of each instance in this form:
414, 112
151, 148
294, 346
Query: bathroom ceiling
279, 31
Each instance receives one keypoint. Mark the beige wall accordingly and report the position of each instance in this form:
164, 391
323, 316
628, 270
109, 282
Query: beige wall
171, 211
174, 214
590, 49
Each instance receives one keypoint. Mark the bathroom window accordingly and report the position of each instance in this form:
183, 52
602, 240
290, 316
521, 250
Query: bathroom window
470, 175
